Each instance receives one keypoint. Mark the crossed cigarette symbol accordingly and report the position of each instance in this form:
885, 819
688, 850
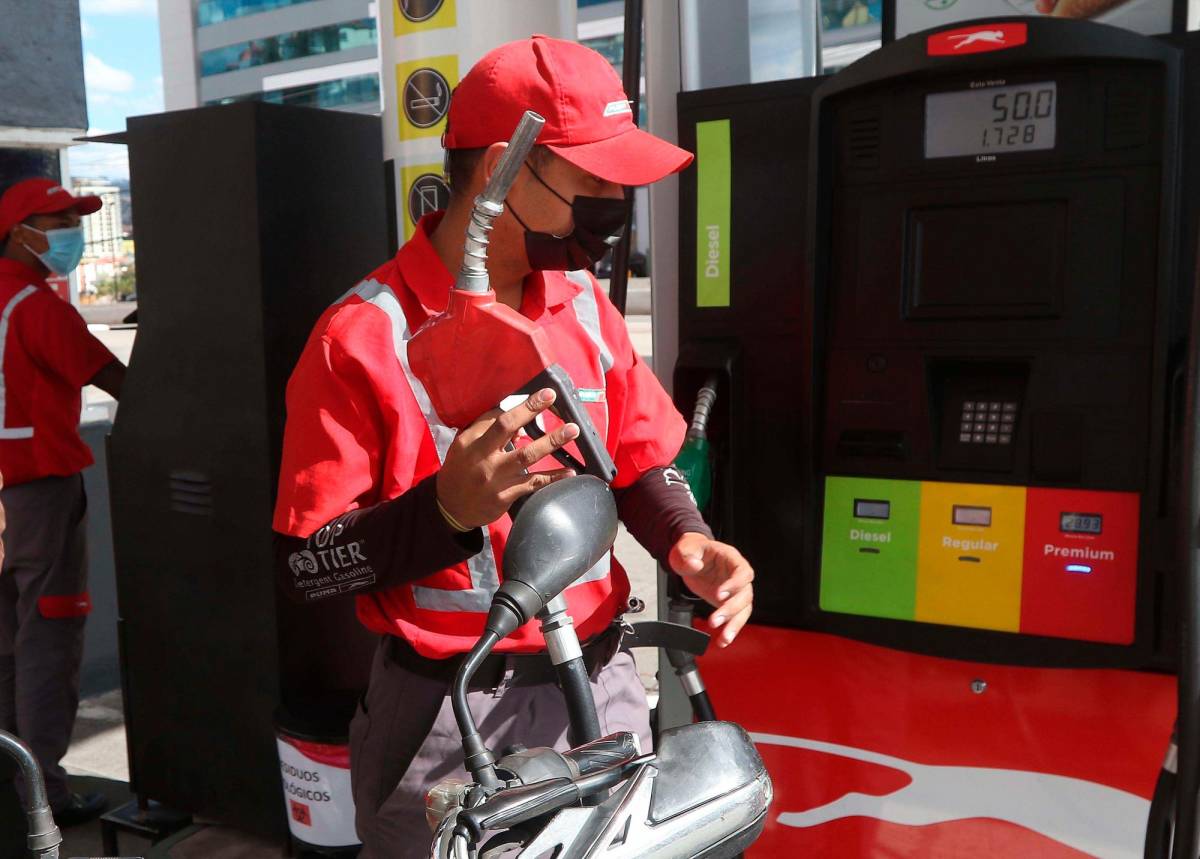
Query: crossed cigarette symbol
418, 100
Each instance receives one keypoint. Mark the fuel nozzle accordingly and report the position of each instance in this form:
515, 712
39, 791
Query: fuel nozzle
694, 458
489, 205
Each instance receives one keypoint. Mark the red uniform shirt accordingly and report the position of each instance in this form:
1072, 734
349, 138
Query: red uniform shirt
361, 430
48, 356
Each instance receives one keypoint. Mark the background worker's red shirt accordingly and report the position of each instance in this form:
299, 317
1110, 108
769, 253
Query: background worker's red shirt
47, 356
361, 430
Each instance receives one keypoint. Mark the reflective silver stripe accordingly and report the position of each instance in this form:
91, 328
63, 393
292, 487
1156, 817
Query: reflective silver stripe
588, 315
381, 295
482, 567
10, 432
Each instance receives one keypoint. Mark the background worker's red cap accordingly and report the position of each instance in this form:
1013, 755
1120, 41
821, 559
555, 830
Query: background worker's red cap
588, 117
40, 197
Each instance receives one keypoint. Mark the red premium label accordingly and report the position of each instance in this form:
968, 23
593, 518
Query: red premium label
976, 39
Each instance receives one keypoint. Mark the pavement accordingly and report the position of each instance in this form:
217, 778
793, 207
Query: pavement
97, 759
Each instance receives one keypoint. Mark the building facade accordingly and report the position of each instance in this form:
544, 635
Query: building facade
43, 108
307, 53
104, 254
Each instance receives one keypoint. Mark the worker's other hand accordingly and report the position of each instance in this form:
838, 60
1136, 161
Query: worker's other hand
1076, 8
480, 480
719, 575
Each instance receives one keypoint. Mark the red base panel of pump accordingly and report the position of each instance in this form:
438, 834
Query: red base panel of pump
875, 752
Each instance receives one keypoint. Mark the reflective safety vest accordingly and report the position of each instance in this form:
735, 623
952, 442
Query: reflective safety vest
361, 429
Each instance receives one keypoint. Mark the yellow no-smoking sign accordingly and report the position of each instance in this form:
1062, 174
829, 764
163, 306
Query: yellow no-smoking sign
423, 90
413, 16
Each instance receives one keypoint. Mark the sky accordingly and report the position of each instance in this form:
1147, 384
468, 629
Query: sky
122, 68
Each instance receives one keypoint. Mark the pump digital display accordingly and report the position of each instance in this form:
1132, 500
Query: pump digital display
871, 509
990, 120
964, 515
1080, 523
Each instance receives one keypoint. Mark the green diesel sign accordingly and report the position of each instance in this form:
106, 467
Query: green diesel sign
869, 546
712, 213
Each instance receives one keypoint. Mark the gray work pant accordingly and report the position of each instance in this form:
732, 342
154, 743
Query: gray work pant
41, 626
391, 728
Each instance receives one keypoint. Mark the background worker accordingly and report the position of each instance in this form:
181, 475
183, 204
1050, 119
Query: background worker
371, 475
47, 356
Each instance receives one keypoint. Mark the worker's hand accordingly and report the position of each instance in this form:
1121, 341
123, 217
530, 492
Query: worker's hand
719, 575
480, 480
1076, 8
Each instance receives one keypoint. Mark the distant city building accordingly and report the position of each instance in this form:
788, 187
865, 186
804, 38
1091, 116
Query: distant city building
104, 254
309, 53
103, 233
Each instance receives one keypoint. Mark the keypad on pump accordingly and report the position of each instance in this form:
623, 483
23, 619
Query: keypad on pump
987, 422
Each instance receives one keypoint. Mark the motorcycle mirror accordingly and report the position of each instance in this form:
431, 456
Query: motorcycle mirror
561, 532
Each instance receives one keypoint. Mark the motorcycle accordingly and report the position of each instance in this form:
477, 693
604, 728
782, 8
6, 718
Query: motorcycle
43, 837
704, 791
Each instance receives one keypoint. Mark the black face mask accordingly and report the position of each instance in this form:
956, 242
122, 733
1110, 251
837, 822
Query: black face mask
599, 223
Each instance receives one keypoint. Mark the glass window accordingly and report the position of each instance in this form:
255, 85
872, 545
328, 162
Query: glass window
342, 93
751, 41
850, 29
612, 48
288, 46
847, 14
216, 11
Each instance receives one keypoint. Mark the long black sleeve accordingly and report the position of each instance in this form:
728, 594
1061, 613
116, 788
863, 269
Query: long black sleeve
374, 548
658, 509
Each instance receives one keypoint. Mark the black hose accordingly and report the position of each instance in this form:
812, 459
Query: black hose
631, 73
702, 707
1160, 822
478, 759
581, 705
1187, 720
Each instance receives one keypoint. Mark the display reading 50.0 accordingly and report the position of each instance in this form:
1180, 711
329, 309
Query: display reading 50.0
1015, 117
990, 120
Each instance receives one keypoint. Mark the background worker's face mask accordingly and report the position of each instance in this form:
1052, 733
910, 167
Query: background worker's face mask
64, 251
599, 223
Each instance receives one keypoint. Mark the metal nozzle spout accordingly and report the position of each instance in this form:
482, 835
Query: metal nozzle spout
489, 205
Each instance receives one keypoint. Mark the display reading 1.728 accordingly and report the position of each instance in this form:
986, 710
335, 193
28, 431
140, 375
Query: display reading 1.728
990, 120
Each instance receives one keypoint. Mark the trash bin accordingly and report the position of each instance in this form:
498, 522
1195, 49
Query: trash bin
314, 766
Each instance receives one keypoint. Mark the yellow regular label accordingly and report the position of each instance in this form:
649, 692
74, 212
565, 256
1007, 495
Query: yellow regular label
970, 554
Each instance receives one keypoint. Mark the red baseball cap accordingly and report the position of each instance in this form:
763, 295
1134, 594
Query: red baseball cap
589, 121
40, 197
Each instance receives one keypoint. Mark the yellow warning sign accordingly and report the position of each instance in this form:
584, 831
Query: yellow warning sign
425, 190
423, 90
415, 16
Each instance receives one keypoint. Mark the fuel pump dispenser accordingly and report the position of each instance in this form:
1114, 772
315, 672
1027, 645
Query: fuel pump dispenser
945, 294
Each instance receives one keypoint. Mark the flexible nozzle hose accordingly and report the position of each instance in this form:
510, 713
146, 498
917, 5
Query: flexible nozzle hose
705, 398
489, 205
